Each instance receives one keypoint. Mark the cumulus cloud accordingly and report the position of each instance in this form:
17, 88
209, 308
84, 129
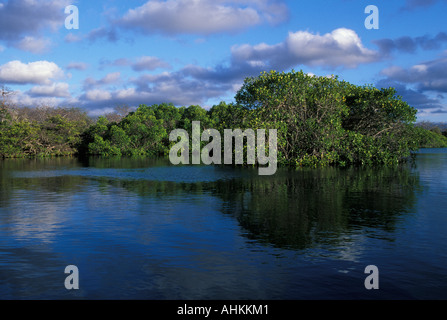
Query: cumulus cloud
421, 85
98, 95
427, 76
39, 72
144, 63
34, 45
107, 33
202, 17
20, 98
414, 97
59, 90
173, 87
339, 48
23, 21
110, 78
179, 85
149, 63
19, 18
408, 44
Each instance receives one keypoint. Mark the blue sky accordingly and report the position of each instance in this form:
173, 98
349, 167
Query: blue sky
199, 51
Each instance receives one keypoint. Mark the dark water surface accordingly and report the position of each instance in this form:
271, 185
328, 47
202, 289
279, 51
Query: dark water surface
143, 229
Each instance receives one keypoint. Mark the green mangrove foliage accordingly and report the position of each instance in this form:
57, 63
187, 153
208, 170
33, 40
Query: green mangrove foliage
31, 132
431, 137
139, 133
320, 121
324, 121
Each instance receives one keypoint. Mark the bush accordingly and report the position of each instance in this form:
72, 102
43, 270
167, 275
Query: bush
320, 121
325, 121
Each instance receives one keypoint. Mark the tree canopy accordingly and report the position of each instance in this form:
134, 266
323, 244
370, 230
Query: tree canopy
320, 121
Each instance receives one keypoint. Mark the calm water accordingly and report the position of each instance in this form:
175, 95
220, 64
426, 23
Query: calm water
143, 229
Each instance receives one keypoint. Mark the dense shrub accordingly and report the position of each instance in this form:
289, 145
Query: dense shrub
41, 132
320, 121
325, 121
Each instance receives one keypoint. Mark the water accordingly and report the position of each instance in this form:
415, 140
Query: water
144, 229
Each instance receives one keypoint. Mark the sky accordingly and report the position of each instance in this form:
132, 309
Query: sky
198, 52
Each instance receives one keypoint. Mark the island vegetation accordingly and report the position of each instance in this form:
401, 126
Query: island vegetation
321, 121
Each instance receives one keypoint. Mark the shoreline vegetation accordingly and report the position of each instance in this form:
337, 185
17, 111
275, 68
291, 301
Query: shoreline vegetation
321, 121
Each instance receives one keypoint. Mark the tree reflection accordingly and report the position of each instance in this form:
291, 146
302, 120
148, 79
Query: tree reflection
291, 209
297, 209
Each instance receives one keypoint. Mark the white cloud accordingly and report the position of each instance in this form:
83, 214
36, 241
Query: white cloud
149, 63
20, 18
171, 87
203, 17
20, 98
98, 95
39, 72
34, 45
392, 71
110, 78
102, 32
100, 112
143, 63
422, 68
427, 76
126, 93
55, 90
340, 48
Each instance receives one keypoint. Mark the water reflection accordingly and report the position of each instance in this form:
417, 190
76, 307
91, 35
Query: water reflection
142, 228
291, 209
